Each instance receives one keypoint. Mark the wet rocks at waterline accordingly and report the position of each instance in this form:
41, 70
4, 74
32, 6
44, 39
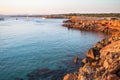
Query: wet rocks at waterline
102, 62
105, 66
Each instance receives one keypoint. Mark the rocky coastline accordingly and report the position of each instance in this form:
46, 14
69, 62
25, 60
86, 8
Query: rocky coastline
102, 61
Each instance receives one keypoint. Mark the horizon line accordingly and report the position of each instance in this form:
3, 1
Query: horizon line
65, 13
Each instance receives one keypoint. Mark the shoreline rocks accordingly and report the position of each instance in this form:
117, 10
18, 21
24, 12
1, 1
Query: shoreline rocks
106, 26
76, 60
102, 62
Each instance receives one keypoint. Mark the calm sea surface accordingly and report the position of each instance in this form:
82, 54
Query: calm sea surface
29, 44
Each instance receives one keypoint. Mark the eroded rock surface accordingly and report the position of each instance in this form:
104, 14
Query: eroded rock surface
102, 62
105, 25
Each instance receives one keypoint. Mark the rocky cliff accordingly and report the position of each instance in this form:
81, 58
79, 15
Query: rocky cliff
102, 61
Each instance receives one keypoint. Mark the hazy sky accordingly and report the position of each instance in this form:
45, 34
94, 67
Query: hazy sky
58, 6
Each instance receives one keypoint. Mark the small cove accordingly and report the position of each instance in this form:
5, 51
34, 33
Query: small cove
27, 45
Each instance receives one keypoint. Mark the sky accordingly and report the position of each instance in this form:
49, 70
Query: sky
58, 6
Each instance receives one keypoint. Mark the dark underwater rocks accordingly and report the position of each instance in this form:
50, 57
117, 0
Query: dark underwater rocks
55, 74
46, 74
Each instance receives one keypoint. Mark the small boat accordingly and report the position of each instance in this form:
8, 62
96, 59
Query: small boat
43, 18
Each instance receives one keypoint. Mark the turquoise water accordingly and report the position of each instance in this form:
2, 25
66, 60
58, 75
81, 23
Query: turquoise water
26, 45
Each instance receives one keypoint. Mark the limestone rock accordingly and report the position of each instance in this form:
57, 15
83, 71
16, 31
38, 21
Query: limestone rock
91, 53
102, 62
84, 60
70, 77
113, 77
106, 64
115, 67
99, 45
87, 69
75, 60
81, 77
94, 64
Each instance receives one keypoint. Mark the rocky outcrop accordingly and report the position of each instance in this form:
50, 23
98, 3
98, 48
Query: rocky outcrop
102, 62
105, 25
75, 60
70, 77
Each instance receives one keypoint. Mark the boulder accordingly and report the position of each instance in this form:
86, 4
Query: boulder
98, 72
114, 68
81, 77
76, 60
84, 61
106, 64
70, 76
94, 64
90, 53
87, 69
99, 45
113, 77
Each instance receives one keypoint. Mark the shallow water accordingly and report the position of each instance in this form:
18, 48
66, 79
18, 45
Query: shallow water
26, 45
